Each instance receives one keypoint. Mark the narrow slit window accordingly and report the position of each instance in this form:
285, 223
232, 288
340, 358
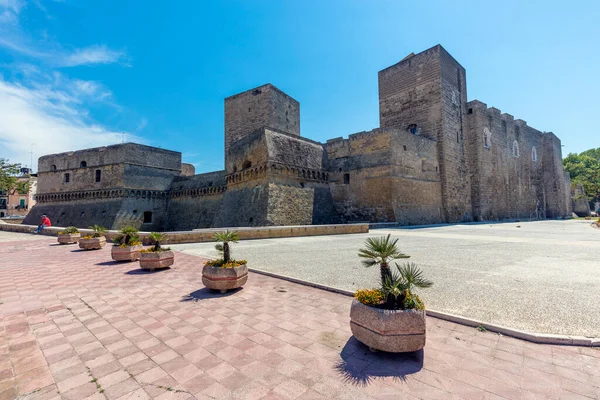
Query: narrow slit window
67, 178
98, 175
346, 179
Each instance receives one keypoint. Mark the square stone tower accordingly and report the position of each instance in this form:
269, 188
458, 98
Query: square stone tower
425, 94
261, 107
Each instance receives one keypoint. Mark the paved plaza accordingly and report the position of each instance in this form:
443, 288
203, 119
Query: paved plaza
75, 325
541, 277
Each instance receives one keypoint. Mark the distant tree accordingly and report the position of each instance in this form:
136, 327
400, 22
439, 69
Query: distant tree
585, 169
8, 175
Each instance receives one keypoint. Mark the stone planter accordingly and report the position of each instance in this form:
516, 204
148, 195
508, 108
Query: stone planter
129, 253
224, 279
92, 243
394, 331
157, 259
68, 238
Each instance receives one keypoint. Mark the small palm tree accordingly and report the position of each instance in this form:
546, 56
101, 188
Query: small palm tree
399, 286
98, 230
128, 237
157, 238
225, 238
381, 250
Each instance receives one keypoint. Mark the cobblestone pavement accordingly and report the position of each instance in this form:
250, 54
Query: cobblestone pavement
509, 274
75, 325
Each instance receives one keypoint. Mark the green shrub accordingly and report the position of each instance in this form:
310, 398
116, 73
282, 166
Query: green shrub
98, 231
69, 230
230, 264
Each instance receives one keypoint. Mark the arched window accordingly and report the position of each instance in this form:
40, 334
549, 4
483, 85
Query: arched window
412, 128
487, 138
534, 154
247, 164
53, 167
516, 152
83, 164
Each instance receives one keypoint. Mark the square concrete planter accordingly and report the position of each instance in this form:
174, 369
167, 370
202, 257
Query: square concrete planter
92, 243
224, 279
394, 331
156, 259
68, 238
129, 253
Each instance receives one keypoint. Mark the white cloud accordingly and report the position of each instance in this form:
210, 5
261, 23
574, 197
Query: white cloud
43, 106
92, 55
51, 118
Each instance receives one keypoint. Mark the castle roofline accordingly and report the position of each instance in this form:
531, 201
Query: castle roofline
438, 47
108, 148
269, 86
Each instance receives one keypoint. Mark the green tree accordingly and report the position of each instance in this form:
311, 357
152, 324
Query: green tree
585, 169
8, 175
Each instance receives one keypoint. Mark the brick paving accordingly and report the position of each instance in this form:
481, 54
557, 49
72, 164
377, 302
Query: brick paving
75, 325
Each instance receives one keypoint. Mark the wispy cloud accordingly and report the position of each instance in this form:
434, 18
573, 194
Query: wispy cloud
92, 55
53, 119
15, 40
40, 104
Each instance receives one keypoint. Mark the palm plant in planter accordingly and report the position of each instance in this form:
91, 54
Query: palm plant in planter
156, 256
70, 235
95, 241
390, 318
127, 245
225, 273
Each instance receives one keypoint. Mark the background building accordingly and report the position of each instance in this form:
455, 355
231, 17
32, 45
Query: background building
18, 202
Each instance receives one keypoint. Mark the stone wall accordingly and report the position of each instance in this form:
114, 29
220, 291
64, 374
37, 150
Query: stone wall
556, 189
111, 213
506, 164
195, 201
385, 175
207, 235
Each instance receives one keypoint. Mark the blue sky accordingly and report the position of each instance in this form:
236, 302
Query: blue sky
75, 73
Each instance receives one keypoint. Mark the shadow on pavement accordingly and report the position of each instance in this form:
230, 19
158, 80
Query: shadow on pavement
359, 366
109, 263
205, 294
140, 271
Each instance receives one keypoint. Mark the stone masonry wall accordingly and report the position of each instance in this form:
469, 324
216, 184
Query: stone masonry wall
452, 143
195, 201
506, 164
385, 175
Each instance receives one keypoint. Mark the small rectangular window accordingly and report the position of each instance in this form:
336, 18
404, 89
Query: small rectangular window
147, 217
67, 178
98, 175
346, 179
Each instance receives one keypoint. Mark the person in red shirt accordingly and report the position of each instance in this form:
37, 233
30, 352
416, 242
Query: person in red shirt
44, 223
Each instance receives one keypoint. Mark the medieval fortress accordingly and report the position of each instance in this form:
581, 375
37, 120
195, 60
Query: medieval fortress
435, 158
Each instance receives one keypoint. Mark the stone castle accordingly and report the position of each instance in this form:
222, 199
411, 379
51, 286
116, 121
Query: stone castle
435, 158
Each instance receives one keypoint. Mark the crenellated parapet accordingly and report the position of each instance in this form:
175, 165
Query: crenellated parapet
198, 192
277, 169
100, 194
